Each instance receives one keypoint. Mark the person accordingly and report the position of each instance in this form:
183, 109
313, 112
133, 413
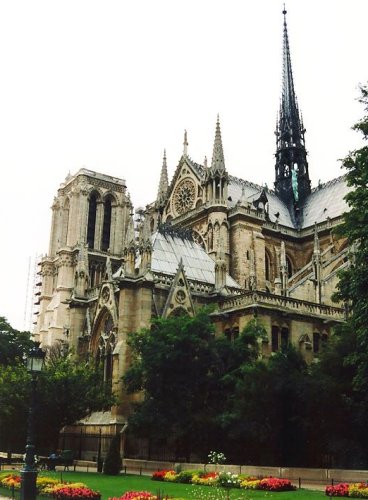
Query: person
52, 461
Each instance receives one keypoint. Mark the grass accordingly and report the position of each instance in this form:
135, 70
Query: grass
115, 486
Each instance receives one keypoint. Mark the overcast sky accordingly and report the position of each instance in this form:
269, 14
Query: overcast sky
107, 85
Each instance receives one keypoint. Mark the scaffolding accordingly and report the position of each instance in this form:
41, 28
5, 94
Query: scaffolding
33, 292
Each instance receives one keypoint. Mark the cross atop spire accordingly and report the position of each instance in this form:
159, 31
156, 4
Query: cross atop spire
164, 182
218, 161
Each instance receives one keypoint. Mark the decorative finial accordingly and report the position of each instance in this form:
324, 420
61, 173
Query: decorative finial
205, 162
185, 150
284, 11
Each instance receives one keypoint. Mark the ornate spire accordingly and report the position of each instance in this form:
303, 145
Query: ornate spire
185, 144
216, 177
218, 161
164, 182
292, 182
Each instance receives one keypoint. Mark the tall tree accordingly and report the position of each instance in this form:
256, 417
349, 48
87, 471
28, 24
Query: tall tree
67, 391
353, 284
184, 374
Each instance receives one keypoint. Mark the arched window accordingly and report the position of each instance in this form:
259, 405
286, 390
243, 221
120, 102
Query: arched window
91, 225
106, 228
105, 339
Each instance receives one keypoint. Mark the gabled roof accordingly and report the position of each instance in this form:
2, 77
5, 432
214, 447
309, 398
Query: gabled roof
169, 249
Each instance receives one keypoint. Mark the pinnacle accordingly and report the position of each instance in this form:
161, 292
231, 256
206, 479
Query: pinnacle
164, 181
218, 161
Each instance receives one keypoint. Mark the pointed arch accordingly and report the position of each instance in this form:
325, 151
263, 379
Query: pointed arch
107, 219
94, 197
103, 341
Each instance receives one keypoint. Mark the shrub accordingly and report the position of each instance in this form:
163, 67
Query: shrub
216, 457
112, 464
228, 480
186, 476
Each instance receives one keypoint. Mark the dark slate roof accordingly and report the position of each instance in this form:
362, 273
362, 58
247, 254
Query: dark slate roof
169, 249
252, 192
326, 201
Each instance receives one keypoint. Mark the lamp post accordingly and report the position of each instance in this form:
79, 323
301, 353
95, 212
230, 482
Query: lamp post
28, 472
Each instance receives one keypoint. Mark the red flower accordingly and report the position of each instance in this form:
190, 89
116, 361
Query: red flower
159, 475
340, 490
276, 484
72, 493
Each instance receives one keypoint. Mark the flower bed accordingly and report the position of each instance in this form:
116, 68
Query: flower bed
53, 488
225, 480
136, 495
354, 490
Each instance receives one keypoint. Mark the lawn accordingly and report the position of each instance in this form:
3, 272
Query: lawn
115, 486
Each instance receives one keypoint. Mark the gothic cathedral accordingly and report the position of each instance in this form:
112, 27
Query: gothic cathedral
208, 238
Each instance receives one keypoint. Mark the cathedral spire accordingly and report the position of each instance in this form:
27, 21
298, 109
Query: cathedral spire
218, 161
292, 182
164, 182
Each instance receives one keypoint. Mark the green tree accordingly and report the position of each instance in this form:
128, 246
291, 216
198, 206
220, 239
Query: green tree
264, 419
185, 375
344, 367
13, 344
14, 396
335, 429
69, 390
353, 284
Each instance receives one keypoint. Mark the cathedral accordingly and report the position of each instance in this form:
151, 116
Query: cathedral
208, 239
